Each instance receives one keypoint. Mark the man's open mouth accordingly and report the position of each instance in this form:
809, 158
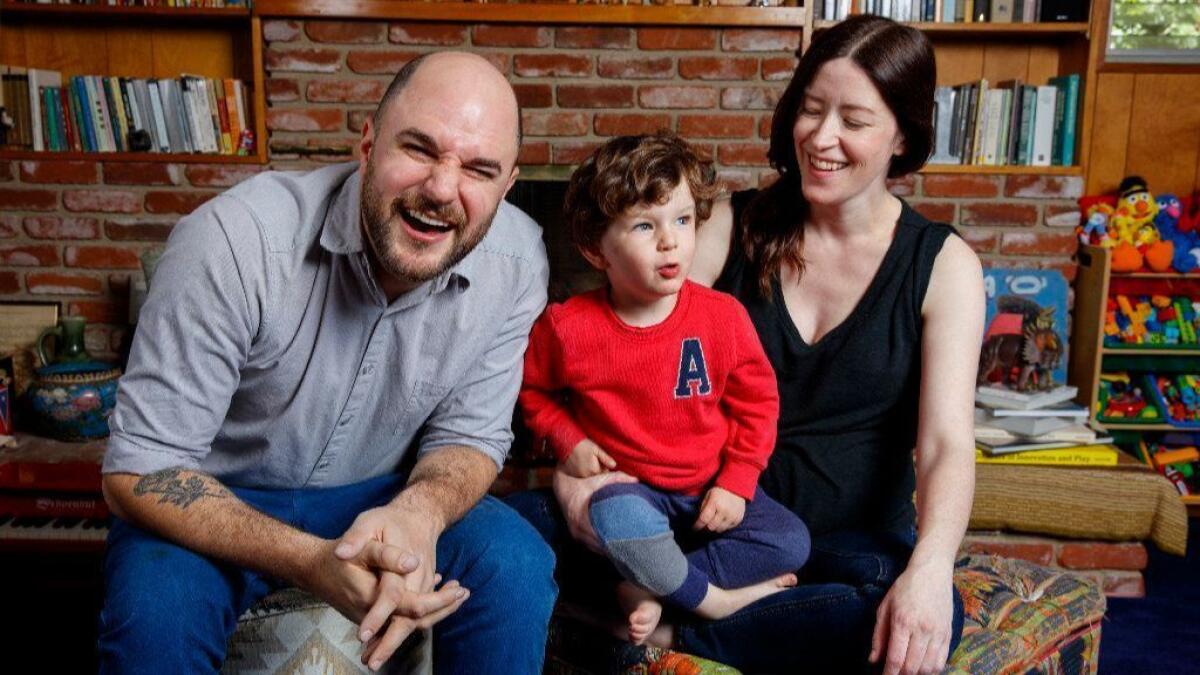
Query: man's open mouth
424, 223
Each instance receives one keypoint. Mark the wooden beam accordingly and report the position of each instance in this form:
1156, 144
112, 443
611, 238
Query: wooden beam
781, 17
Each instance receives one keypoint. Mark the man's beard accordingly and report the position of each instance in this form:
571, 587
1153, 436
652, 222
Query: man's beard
376, 219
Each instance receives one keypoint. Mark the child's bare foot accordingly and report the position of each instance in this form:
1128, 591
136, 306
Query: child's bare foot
720, 603
644, 610
662, 637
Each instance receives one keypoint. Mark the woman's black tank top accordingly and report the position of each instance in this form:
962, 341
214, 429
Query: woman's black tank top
848, 404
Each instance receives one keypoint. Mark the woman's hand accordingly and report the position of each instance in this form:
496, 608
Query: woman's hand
913, 624
575, 496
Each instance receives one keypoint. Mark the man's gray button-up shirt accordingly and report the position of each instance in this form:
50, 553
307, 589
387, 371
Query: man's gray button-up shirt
266, 355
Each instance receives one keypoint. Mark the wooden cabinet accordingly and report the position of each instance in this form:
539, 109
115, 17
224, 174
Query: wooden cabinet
1090, 357
139, 42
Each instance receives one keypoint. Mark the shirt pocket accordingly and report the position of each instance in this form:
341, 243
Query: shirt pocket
425, 397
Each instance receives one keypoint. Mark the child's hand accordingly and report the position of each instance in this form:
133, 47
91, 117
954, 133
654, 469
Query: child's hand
587, 459
720, 511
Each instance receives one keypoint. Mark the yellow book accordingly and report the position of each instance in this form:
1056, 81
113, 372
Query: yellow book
1083, 455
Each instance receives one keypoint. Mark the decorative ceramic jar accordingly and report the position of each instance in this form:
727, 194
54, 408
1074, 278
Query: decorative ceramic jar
72, 401
71, 397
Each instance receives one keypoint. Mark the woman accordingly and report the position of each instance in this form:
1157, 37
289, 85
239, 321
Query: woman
872, 318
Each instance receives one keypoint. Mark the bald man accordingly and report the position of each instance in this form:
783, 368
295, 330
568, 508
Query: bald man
319, 395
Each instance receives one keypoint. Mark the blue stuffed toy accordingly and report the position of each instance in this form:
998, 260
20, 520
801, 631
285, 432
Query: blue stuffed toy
1187, 244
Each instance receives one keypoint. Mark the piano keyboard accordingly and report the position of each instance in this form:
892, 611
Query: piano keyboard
65, 531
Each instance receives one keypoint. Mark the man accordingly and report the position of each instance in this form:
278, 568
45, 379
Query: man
305, 334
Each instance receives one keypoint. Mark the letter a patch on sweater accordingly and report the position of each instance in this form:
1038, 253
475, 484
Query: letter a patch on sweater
692, 370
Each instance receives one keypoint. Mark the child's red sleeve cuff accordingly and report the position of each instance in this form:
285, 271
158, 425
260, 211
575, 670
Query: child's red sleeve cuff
739, 478
563, 440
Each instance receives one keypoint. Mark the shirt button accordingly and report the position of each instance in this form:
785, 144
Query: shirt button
367, 370
345, 420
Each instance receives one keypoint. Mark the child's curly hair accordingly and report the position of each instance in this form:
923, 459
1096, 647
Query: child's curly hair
631, 170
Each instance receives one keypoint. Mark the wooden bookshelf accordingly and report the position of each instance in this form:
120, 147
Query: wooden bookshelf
180, 158
535, 13
140, 42
36, 9
1004, 170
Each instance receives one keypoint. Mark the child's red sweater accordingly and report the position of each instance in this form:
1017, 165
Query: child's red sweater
676, 405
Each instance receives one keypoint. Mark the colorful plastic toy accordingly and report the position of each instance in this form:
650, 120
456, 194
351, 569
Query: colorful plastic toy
1151, 320
1122, 401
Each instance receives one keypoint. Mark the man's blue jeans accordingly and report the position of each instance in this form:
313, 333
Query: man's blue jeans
169, 610
824, 625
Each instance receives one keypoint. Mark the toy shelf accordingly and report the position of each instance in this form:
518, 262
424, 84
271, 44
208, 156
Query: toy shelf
1117, 426
1155, 275
1089, 356
1139, 350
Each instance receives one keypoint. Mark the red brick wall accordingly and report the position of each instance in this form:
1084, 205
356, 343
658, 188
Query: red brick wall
1116, 566
72, 231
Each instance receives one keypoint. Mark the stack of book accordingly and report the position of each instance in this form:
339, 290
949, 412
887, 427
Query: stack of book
91, 113
1010, 123
1039, 428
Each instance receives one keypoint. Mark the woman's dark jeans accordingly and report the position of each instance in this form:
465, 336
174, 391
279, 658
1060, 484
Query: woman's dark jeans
822, 625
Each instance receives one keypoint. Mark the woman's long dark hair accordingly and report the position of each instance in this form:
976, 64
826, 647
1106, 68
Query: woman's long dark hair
899, 61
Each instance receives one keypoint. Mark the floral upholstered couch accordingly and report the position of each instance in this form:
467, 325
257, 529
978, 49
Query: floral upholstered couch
1020, 618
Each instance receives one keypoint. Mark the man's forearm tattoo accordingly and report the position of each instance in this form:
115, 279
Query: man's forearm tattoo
181, 492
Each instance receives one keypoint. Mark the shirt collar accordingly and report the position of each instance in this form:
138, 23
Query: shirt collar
343, 234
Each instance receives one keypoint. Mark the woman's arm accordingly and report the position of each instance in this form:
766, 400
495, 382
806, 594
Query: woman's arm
913, 622
712, 243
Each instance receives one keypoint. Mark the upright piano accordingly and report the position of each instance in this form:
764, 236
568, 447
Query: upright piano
50, 495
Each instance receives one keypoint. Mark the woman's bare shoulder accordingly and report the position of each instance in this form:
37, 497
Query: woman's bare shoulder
957, 278
712, 243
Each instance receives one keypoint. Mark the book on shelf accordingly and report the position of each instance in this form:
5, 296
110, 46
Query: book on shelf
1088, 455
1002, 11
38, 79
943, 102
1067, 100
1000, 397
1079, 434
1036, 422
1062, 10
949, 11
1009, 123
1043, 127
1029, 445
1032, 427
92, 113
1065, 409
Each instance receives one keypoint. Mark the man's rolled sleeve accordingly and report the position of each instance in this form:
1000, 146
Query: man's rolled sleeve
192, 338
478, 411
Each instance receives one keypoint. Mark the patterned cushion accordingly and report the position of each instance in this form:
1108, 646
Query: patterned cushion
1024, 618
291, 632
1020, 618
